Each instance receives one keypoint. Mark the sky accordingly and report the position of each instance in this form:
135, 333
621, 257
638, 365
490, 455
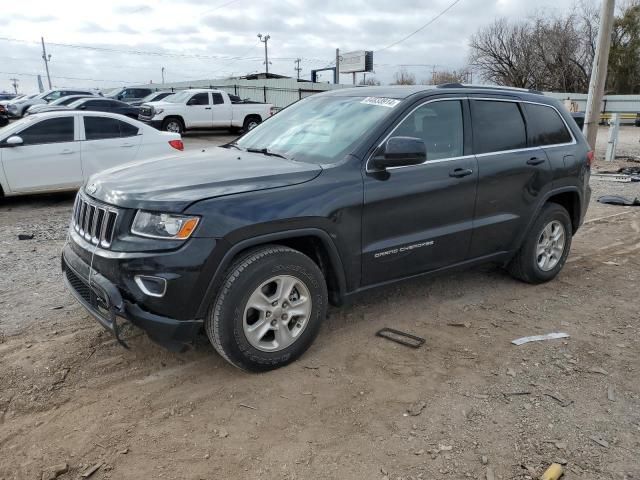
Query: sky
127, 42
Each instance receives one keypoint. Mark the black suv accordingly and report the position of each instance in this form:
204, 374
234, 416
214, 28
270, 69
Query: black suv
338, 193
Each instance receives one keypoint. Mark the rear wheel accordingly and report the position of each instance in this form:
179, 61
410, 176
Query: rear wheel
545, 251
251, 122
173, 125
268, 309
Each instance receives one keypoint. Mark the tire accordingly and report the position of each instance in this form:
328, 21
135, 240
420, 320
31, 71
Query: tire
528, 265
173, 124
251, 122
235, 328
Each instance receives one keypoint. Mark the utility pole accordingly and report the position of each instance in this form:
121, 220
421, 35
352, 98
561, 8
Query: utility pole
162, 75
14, 84
298, 68
336, 77
264, 40
47, 59
599, 73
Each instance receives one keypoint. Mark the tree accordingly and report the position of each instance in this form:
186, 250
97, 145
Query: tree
371, 81
448, 76
403, 77
624, 57
555, 52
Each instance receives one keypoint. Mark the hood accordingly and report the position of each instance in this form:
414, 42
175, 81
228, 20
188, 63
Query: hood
172, 183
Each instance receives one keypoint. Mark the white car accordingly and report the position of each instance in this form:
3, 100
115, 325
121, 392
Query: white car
56, 151
19, 107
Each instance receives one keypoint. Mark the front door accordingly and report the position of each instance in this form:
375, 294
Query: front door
199, 113
48, 158
419, 218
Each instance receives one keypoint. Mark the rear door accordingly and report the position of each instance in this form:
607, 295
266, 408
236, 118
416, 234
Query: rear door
513, 174
198, 111
419, 218
48, 159
222, 112
107, 142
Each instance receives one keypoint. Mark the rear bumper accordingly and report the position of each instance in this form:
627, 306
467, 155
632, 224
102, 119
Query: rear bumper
103, 300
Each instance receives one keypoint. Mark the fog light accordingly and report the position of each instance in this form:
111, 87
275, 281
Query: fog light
152, 286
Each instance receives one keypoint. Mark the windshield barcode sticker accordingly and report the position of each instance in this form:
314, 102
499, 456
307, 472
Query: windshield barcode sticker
381, 102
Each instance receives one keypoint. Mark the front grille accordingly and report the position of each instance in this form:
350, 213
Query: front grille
95, 223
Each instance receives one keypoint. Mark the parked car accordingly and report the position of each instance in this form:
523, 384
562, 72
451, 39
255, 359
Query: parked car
7, 96
55, 151
19, 97
339, 193
152, 97
19, 107
59, 104
105, 105
129, 95
203, 108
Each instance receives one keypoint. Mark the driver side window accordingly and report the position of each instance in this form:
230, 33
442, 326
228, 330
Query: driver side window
440, 125
53, 130
199, 99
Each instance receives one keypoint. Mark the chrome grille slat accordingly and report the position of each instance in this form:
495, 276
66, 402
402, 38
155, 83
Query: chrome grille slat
94, 222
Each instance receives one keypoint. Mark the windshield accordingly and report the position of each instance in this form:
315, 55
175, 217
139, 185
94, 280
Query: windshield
179, 97
318, 129
76, 103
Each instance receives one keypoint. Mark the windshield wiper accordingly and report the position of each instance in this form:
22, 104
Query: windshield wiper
234, 145
267, 152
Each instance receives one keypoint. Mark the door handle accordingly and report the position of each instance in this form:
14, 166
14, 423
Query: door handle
207, 108
66, 151
460, 172
535, 161
126, 145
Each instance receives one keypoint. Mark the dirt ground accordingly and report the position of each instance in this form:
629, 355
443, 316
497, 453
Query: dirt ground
468, 404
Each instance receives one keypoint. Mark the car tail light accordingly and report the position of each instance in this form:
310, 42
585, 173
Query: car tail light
272, 111
177, 144
590, 157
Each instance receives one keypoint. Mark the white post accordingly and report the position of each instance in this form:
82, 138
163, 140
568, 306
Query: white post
599, 73
614, 128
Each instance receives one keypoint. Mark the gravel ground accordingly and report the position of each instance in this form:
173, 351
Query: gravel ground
468, 404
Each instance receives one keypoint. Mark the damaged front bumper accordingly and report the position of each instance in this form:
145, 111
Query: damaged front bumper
103, 300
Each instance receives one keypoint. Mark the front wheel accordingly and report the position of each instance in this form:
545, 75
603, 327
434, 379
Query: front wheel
545, 251
172, 125
268, 310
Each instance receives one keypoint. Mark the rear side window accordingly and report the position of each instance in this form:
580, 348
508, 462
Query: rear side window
439, 124
545, 126
217, 99
497, 126
53, 130
101, 128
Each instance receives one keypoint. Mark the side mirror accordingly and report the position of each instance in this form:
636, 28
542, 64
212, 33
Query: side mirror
14, 141
401, 152
82, 107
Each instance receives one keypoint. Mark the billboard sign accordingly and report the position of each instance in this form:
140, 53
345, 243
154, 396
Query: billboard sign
358, 61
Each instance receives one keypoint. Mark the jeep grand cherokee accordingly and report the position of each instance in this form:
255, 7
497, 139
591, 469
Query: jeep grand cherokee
338, 193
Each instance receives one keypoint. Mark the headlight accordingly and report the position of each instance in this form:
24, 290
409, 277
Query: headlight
163, 225
157, 112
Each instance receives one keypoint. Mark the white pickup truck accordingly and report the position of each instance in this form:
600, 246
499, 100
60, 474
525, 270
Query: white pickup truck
203, 108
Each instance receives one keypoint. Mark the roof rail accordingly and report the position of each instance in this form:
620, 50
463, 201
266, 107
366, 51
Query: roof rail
489, 87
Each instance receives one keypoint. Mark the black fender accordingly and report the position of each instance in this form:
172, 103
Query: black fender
541, 203
227, 259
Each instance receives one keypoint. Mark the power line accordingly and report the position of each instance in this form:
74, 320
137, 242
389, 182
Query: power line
157, 54
421, 28
24, 74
